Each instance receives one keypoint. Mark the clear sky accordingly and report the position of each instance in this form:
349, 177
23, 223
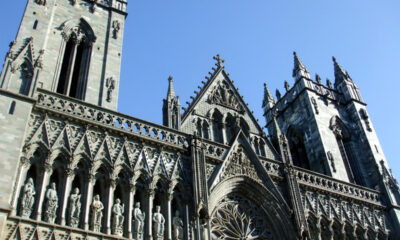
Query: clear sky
256, 38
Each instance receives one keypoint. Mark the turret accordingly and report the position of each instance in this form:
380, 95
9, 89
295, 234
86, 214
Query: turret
171, 106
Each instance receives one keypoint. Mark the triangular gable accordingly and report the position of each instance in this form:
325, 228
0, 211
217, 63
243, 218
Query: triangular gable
241, 160
221, 93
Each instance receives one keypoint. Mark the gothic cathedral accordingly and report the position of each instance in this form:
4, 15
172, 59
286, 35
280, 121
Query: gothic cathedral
74, 168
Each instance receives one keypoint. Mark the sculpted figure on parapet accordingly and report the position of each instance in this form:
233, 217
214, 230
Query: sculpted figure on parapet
75, 208
118, 217
97, 213
139, 218
28, 199
51, 204
158, 221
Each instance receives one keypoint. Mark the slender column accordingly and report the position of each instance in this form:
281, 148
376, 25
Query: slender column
71, 68
169, 217
110, 204
21, 175
45, 182
150, 195
130, 209
68, 182
187, 220
89, 195
223, 131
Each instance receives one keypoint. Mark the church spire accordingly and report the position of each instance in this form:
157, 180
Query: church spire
299, 69
171, 107
268, 98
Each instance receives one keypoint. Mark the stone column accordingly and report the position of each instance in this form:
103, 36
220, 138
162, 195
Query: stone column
110, 203
89, 196
130, 209
188, 232
71, 67
24, 166
68, 181
169, 217
150, 195
45, 181
223, 131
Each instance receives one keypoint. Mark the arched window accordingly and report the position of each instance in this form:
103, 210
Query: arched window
217, 127
344, 142
78, 40
297, 148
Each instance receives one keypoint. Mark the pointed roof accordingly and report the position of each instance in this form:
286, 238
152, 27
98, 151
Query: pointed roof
171, 91
299, 69
268, 98
340, 74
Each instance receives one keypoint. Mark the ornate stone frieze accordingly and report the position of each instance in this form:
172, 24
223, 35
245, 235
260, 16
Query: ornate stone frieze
224, 95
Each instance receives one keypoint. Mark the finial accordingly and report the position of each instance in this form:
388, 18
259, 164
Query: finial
268, 98
334, 59
278, 94
170, 78
287, 86
328, 83
219, 60
171, 91
318, 78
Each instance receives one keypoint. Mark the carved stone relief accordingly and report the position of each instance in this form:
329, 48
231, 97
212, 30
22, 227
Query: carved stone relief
223, 95
74, 208
51, 204
97, 213
28, 198
158, 227
118, 217
139, 218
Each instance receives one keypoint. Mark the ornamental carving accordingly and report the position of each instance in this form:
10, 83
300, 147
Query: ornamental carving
28, 198
223, 95
239, 164
238, 218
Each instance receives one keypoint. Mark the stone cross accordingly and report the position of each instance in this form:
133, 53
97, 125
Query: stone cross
219, 60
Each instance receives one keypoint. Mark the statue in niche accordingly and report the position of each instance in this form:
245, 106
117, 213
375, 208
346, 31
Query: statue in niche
118, 217
158, 227
110, 84
178, 227
97, 213
116, 27
51, 204
139, 218
28, 199
74, 208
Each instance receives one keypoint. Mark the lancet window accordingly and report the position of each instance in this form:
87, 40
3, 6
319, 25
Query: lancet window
75, 60
298, 149
217, 127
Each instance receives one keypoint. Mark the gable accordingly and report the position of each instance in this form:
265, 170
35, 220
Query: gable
242, 161
219, 94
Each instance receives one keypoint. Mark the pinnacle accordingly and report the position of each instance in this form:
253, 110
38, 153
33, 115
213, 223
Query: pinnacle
268, 98
171, 91
299, 67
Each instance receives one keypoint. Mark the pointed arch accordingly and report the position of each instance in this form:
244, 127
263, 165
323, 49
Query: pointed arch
78, 38
297, 148
217, 123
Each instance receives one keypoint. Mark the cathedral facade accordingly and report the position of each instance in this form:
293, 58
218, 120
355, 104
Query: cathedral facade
73, 167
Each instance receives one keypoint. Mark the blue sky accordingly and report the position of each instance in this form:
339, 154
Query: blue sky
256, 38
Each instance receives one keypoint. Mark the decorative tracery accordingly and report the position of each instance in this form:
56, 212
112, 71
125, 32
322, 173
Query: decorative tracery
223, 95
238, 218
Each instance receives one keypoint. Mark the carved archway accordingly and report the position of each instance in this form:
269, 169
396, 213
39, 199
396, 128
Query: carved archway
244, 209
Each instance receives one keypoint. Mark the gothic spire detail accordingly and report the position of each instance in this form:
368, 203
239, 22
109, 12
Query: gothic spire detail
268, 98
340, 74
299, 69
171, 91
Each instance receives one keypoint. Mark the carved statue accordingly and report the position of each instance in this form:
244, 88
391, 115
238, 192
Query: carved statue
178, 227
74, 208
118, 217
97, 213
110, 84
28, 198
139, 218
158, 227
51, 204
116, 26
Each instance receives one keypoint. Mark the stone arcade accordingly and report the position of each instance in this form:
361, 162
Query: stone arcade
74, 168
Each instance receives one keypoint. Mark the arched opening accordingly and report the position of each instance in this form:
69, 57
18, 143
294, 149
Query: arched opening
343, 139
74, 67
297, 148
206, 130
217, 127
229, 127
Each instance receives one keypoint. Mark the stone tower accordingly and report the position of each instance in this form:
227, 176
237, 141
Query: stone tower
329, 131
69, 47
